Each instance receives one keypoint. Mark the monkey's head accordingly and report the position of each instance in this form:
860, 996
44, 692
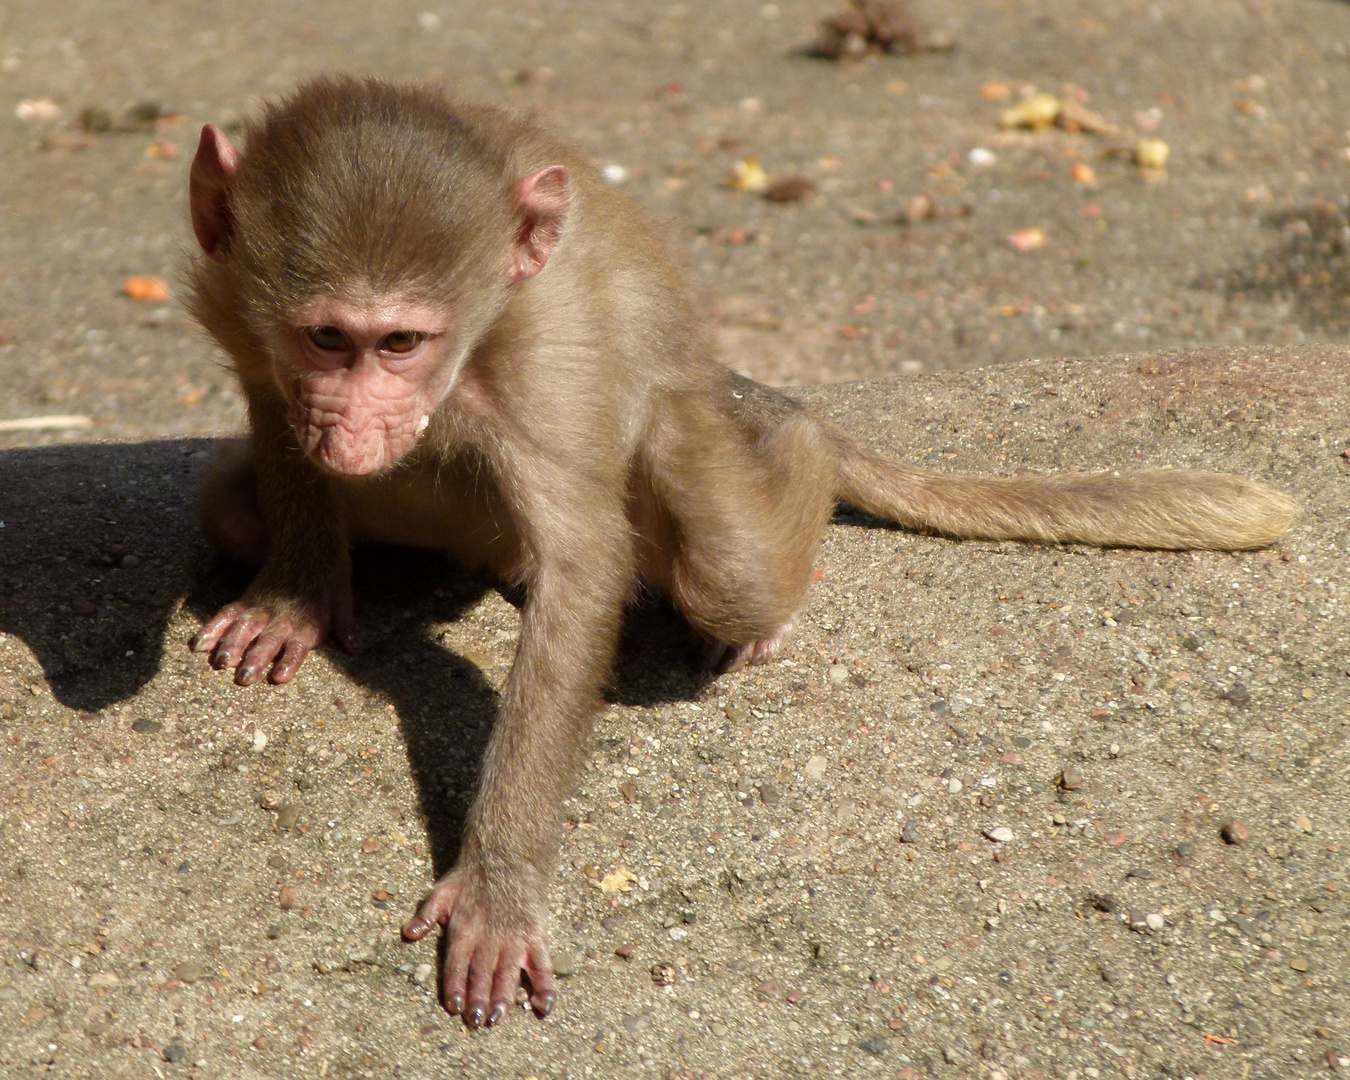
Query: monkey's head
368, 236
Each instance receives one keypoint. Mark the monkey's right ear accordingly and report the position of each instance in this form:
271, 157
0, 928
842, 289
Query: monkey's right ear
213, 168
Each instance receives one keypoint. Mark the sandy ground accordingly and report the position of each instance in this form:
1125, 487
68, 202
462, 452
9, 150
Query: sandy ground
202, 880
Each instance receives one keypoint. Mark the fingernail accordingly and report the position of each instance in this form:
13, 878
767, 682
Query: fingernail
475, 1018
495, 1017
545, 1005
456, 1004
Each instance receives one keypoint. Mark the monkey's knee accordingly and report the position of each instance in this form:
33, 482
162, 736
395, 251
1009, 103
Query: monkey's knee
227, 505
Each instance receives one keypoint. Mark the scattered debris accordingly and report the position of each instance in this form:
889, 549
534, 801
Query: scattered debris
790, 189
1028, 239
875, 26
150, 288
749, 175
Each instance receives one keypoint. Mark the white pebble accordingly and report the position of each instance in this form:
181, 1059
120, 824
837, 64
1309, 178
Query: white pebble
1155, 922
954, 786
1000, 834
615, 174
981, 158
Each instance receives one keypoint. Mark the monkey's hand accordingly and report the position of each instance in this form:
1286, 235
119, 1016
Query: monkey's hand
266, 629
495, 923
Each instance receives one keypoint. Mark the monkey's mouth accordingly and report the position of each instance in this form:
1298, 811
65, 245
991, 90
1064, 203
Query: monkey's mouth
362, 448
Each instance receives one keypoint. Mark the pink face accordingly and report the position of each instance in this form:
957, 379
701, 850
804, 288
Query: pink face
363, 378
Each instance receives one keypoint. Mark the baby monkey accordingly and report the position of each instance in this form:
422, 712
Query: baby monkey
453, 334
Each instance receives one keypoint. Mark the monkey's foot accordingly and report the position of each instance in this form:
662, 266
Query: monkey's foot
491, 942
723, 657
253, 636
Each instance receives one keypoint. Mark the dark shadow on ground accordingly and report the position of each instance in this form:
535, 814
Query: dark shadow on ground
99, 550
1309, 266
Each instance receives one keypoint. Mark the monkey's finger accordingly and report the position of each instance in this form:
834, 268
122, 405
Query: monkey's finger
457, 959
434, 912
288, 663
345, 630
539, 970
237, 639
482, 968
208, 637
505, 979
264, 649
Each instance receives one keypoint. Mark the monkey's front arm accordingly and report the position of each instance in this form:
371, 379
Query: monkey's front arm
303, 590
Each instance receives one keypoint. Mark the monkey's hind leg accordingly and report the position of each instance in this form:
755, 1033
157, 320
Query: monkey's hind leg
745, 514
227, 504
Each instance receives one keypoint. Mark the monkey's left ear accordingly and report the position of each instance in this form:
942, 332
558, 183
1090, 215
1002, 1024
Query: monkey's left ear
544, 200
213, 168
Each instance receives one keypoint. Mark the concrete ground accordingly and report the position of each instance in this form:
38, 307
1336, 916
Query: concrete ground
203, 880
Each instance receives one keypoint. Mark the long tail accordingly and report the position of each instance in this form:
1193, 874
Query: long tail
1162, 508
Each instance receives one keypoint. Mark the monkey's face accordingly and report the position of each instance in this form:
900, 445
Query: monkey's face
362, 378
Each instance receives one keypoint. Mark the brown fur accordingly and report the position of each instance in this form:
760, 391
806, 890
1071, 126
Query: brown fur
587, 437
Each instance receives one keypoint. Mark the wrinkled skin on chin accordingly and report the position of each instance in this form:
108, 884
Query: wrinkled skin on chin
355, 430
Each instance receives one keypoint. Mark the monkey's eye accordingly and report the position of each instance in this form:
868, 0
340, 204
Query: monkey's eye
402, 341
327, 338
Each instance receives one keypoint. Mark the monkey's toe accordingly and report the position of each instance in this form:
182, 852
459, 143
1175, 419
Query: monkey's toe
724, 657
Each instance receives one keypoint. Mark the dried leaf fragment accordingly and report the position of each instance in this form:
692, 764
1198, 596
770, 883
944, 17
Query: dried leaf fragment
790, 189
1151, 154
37, 109
1028, 239
153, 289
749, 175
1084, 174
1038, 112
618, 880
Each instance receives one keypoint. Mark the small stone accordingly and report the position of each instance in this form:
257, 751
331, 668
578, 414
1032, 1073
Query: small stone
1239, 695
424, 975
769, 794
1235, 832
288, 816
663, 974
189, 971
1000, 834
564, 964
262, 1043
145, 726
1303, 824
370, 845
768, 991
634, 1023
1185, 849
735, 713
954, 786
815, 767
103, 980
1070, 778
1299, 963
938, 708
1141, 873
625, 951
910, 833
875, 1047
288, 897
1156, 923
720, 1029
838, 673
1104, 902
130, 562
174, 1052
1138, 919
274, 931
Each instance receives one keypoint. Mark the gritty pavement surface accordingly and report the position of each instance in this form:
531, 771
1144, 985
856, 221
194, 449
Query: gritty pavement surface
999, 810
